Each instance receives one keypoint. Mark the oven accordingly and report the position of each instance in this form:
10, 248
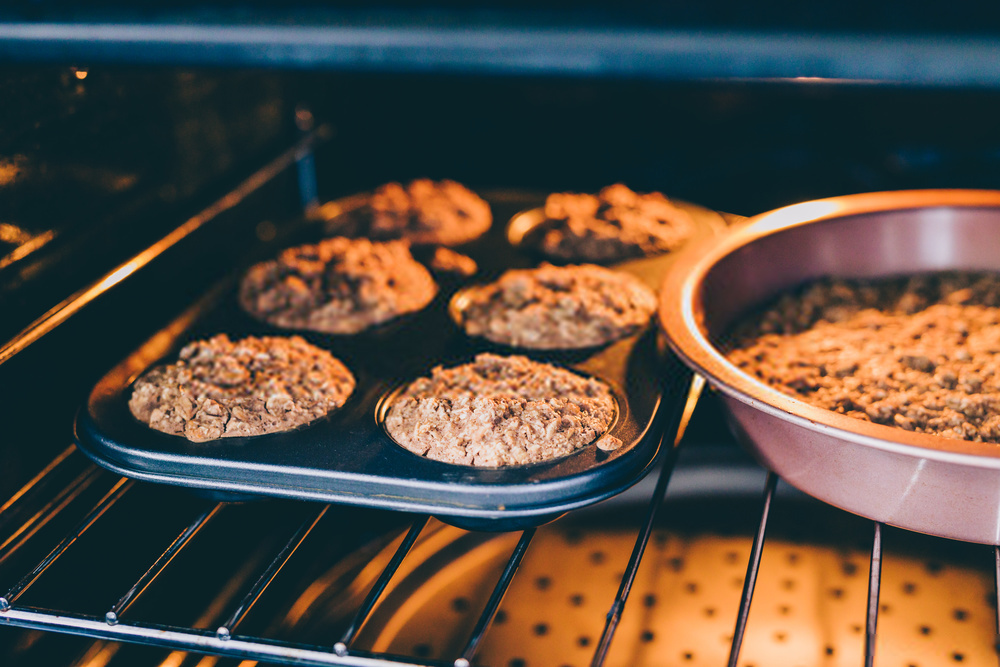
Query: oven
147, 153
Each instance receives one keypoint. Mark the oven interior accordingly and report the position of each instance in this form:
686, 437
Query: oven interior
98, 163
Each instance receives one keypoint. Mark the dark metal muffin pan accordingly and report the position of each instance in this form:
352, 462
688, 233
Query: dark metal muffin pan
348, 458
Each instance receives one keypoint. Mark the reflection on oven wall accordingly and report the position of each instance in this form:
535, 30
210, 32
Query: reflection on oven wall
97, 163
745, 148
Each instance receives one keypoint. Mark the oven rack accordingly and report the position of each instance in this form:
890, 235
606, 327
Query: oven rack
226, 642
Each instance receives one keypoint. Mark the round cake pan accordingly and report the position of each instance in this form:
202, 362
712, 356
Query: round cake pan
916, 481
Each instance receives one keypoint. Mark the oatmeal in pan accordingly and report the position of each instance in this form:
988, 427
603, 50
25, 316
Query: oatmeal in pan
919, 353
448, 261
500, 411
220, 388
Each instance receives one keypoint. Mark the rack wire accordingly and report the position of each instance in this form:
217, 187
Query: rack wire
58, 499
226, 642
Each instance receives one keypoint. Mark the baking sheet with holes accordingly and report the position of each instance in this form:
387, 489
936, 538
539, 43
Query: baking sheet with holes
348, 458
808, 606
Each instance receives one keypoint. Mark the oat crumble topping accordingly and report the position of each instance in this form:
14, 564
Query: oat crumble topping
339, 286
499, 411
554, 307
919, 353
615, 225
220, 388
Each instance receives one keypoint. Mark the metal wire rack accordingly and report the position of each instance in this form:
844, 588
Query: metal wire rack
226, 640
48, 496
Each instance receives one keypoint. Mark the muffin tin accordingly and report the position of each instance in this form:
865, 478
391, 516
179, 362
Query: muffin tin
348, 458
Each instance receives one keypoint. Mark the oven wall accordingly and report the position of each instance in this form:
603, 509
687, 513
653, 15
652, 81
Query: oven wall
739, 147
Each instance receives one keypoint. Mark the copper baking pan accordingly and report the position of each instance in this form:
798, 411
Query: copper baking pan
916, 481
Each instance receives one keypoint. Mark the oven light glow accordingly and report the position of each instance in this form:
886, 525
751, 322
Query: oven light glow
120, 274
174, 659
10, 233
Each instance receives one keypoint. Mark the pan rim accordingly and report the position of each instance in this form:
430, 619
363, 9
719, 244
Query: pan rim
681, 317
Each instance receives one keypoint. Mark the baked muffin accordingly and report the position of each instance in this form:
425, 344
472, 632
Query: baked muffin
424, 212
219, 388
339, 286
500, 411
557, 307
615, 225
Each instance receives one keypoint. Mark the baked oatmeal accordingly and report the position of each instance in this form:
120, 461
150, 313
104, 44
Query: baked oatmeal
220, 388
614, 225
920, 353
500, 411
424, 212
558, 307
448, 261
339, 286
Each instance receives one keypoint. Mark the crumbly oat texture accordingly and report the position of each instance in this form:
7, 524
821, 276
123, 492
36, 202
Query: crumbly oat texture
339, 286
499, 411
424, 212
449, 261
615, 225
919, 353
558, 307
225, 389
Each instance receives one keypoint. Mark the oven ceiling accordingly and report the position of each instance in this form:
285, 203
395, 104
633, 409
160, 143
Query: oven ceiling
923, 43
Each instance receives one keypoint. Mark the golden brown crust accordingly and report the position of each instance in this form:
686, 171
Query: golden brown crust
340, 286
499, 411
614, 225
922, 354
424, 212
553, 307
220, 388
